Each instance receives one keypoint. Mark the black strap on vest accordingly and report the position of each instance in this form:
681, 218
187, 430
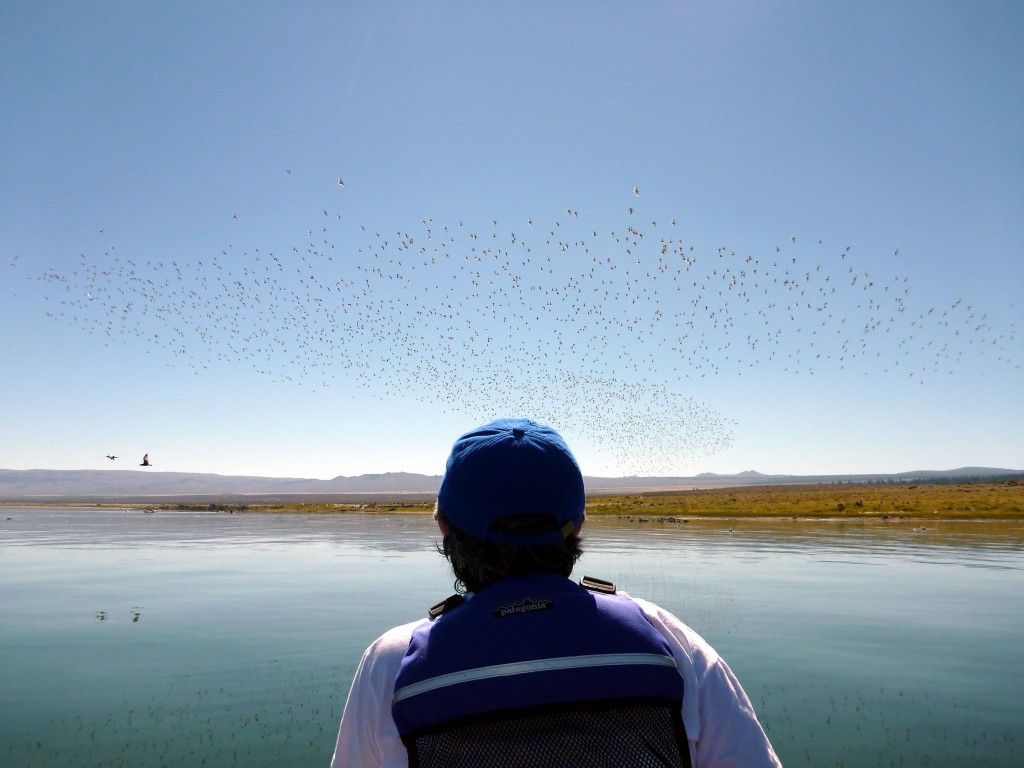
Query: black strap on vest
595, 584
445, 605
592, 583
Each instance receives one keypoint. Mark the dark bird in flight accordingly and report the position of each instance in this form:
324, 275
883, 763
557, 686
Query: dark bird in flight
111, 456
145, 461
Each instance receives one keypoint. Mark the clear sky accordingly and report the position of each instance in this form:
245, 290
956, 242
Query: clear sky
722, 236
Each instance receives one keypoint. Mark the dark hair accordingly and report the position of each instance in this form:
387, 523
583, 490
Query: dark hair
477, 563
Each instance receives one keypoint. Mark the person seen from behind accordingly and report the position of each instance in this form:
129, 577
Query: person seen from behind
525, 667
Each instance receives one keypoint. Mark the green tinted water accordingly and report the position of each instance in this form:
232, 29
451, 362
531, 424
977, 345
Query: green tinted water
221, 640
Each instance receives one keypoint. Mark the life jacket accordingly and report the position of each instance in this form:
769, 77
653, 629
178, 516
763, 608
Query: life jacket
536, 670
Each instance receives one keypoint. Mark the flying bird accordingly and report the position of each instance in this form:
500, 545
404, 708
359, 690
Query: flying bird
631, 323
111, 456
145, 461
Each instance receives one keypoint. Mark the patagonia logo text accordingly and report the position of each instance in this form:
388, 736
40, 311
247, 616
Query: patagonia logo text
527, 606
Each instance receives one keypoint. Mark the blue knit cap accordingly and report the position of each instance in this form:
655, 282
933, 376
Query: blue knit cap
512, 467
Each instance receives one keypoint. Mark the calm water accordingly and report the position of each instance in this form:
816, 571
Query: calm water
198, 639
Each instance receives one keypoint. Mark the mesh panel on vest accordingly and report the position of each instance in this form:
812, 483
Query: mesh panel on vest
640, 736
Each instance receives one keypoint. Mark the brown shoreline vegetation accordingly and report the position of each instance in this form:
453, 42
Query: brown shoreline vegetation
846, 501
965, 501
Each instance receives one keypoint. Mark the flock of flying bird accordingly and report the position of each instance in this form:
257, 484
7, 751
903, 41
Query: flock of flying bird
595, 330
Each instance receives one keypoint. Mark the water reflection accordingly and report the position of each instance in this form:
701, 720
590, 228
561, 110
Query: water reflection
89, 527
991, 542
183, 637
978, 543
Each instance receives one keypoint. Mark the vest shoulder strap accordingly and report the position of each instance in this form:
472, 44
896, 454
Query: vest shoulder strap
595, 584
445, 605
592, 583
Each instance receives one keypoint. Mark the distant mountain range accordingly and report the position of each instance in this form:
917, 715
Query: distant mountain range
145, 486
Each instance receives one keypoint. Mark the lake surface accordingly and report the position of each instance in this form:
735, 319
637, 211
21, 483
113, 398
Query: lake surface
177, 638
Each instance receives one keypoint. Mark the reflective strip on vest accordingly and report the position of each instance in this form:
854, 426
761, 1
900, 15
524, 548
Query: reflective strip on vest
538, 665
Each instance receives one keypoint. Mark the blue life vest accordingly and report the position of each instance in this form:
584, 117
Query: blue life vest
537, 670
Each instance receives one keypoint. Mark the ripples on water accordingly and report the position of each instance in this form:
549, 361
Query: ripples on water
185, 528
990, 544
993, 543
184, 637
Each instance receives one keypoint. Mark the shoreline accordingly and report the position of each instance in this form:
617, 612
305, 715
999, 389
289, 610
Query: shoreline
981, 501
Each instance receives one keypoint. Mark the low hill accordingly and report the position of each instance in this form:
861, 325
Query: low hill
61, 486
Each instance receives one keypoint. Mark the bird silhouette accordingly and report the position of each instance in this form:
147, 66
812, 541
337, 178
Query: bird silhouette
145, 461
111, 456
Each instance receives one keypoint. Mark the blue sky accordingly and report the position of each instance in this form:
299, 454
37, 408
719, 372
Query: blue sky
692, 237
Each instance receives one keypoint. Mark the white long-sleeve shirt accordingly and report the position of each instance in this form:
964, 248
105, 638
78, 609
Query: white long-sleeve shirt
721, 726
